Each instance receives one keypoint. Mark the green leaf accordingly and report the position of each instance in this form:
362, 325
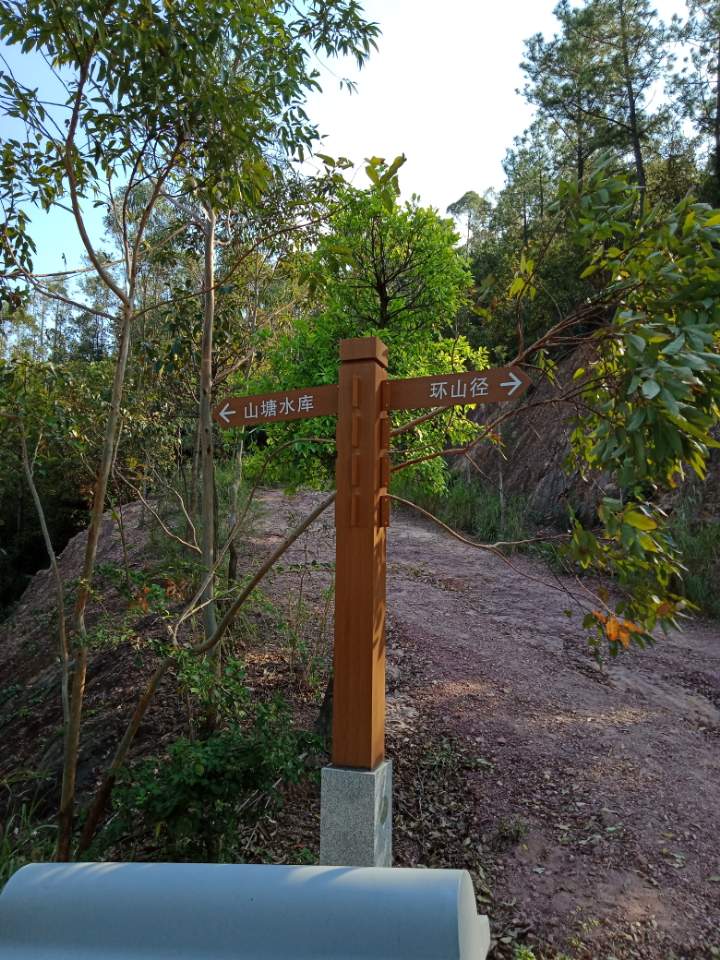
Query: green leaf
650, 389
676, 346
639, 520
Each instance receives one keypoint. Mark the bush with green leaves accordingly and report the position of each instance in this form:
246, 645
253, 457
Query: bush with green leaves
652, 393
470, 505
698, 540
189, 801
219, 693
387, 270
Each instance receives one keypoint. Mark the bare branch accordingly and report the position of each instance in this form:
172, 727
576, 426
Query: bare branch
166, 529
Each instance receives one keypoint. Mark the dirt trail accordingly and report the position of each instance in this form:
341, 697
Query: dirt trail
588, 799
600, 788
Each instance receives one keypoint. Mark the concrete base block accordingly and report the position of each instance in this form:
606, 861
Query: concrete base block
356, 816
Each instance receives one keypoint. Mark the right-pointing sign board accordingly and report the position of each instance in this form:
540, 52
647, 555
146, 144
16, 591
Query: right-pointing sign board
474, 386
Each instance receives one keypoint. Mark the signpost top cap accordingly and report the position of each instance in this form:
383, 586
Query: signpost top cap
364, 348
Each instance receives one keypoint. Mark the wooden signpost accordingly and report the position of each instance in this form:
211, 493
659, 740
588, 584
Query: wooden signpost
363, 400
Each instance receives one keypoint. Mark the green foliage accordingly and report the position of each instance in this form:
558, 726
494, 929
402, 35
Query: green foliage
696, 83
57, 406
222, 695
383, 270
525, 953
190, 799
650, 320
386, 266
470, 505
24, 839
652, 393
163, 72
698, 541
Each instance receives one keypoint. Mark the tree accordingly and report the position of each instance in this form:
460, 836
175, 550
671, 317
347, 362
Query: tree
648, 396
592, 81
476, 212
697, 84
382, 269
388, 267
566, 85
142, 95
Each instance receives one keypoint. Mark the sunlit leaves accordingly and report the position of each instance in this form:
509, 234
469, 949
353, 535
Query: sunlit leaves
652, 394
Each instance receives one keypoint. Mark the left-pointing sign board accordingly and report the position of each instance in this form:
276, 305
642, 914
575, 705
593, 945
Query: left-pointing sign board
284, 405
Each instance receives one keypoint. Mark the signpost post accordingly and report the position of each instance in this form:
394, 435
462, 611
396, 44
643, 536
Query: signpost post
356, 796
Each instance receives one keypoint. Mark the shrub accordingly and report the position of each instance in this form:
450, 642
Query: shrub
24, 839
191, 799
699, 542
471, 506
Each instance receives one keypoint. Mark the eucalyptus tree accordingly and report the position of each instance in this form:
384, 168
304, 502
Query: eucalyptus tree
475, 210
140, 93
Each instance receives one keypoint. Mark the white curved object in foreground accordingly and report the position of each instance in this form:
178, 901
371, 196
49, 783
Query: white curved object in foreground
135, 911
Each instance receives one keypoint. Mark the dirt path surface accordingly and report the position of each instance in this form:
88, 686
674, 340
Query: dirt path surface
585, 803
595, 794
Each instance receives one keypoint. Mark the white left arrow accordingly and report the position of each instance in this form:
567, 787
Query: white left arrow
226, 412
513, 383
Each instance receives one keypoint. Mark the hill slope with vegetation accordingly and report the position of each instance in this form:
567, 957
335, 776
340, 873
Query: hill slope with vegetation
224, 269
581, 799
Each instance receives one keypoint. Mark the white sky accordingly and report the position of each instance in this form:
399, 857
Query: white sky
441, 88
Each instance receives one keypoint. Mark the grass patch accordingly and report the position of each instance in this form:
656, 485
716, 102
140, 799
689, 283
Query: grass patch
698, 539
470, 506
24, 839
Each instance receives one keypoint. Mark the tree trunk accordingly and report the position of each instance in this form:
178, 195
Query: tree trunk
59, 591
716, 130
194, 480
580, 148
632, 108
72, 732
70, 758
323, 722
207, 501
234, 511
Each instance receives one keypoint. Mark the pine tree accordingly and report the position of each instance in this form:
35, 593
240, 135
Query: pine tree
697, 84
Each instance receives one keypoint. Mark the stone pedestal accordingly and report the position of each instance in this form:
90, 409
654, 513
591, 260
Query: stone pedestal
356, 816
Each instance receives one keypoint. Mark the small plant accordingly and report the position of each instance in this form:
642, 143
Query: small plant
191, 799
222, 694
443, 755
509, 832
699, 544
141, 588
24, 839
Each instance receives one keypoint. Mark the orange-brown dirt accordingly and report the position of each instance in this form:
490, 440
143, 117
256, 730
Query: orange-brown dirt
584, 801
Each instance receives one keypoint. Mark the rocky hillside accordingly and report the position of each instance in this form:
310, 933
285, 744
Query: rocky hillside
535, 445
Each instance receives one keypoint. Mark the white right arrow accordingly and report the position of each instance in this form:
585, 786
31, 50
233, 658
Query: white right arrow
513, 384
226, 412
